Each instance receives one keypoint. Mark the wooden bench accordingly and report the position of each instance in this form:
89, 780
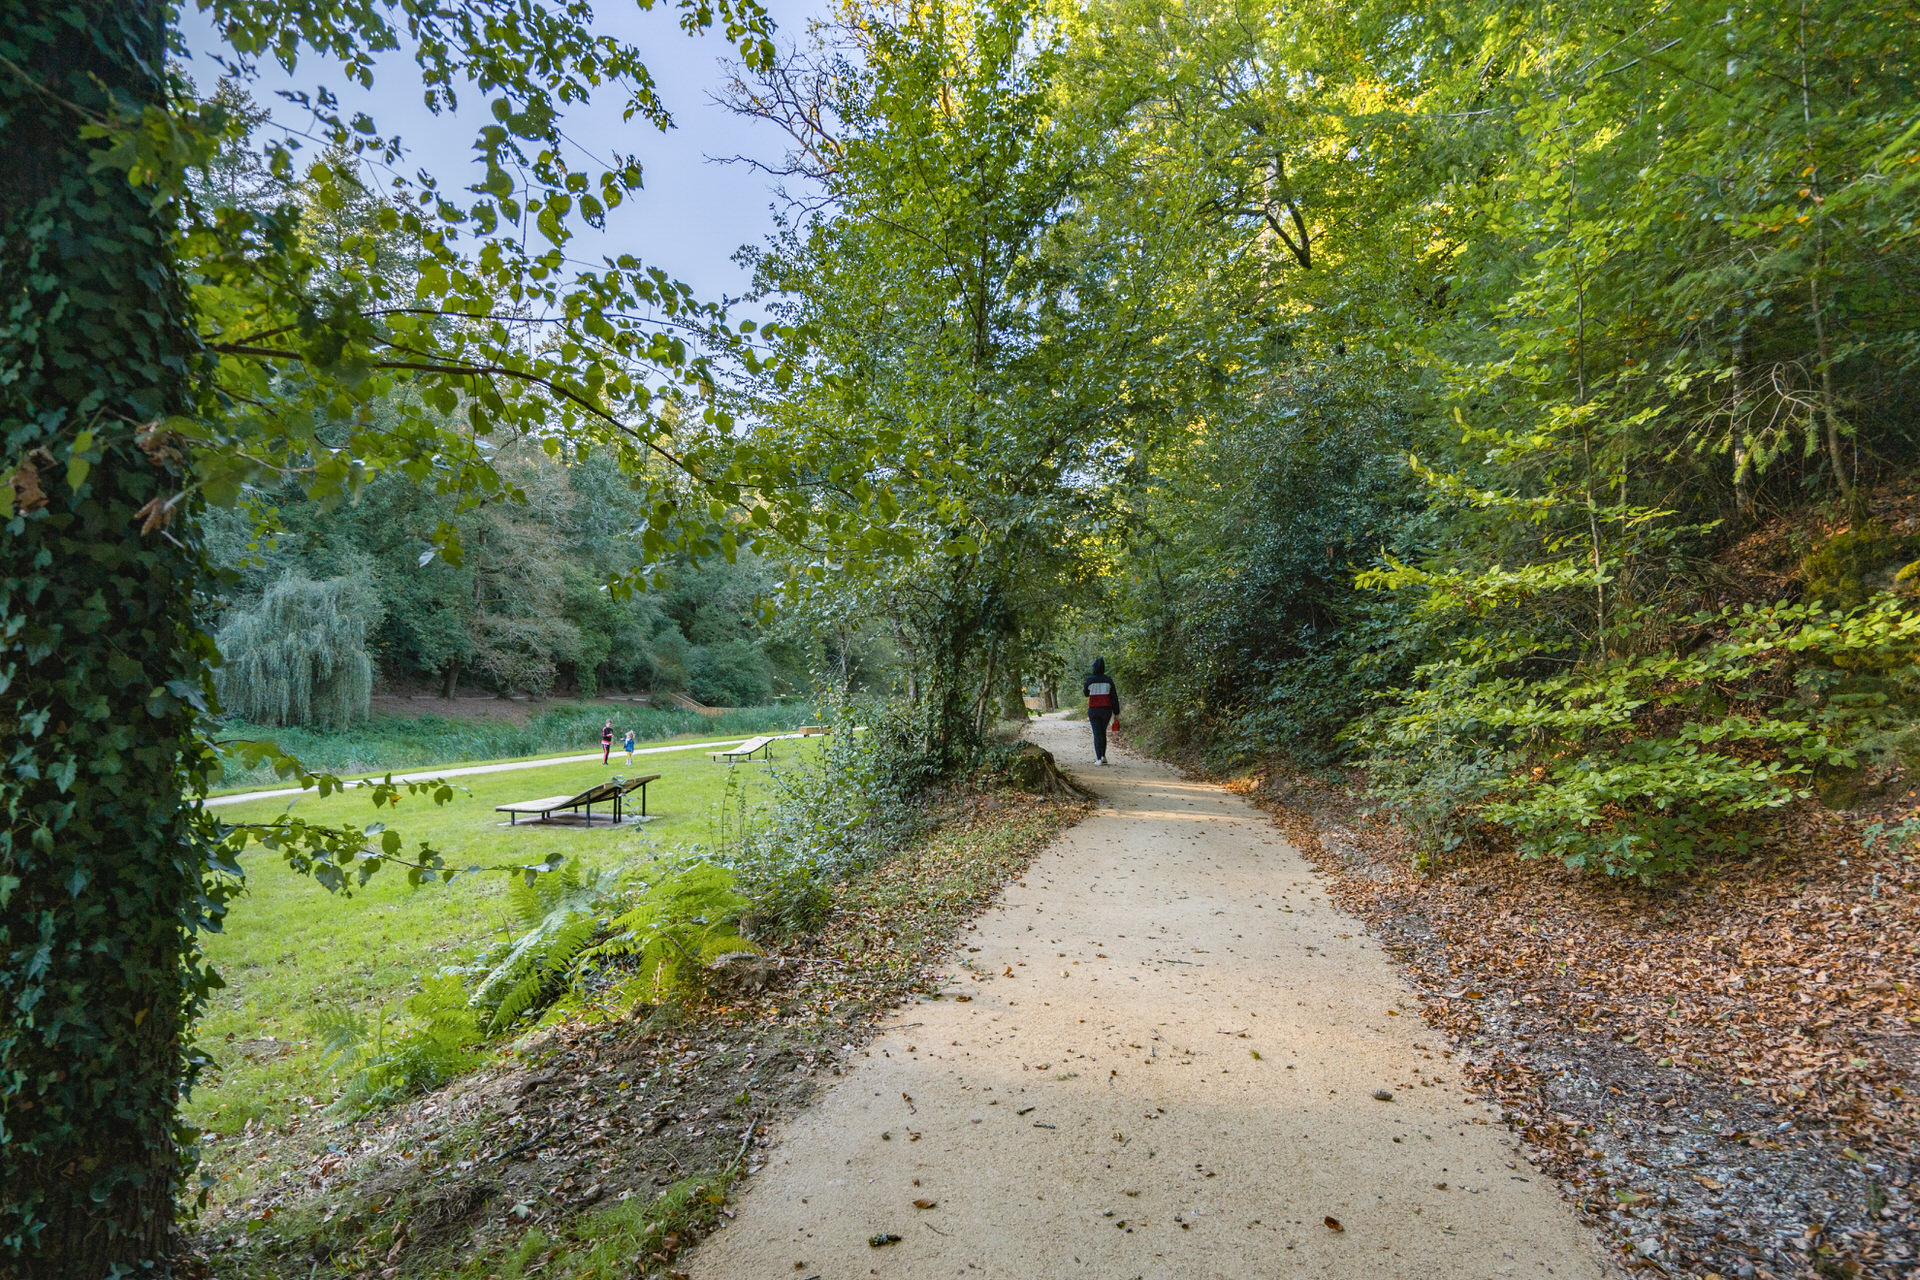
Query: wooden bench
745, 751
812, 730
603, 793
627, 786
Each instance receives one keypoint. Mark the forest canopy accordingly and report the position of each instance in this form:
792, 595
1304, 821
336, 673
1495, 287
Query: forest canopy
1380, 385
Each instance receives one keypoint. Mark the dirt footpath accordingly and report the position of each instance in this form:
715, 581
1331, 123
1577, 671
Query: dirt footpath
1163, 1056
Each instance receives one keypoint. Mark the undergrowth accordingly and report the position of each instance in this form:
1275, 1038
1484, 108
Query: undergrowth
631, 1238
612, 939
1637, 763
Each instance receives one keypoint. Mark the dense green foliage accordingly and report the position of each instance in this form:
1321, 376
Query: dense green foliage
1592, 291
1380, 379
947, 382
1369, 381
526, 610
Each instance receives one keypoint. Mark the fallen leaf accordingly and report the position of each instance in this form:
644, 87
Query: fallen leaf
1710, 1184
924, 1204
1333, 1223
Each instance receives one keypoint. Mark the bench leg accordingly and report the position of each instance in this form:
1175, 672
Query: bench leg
643, 799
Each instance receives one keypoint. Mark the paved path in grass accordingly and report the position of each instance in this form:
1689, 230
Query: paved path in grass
428, 775
1156, 1059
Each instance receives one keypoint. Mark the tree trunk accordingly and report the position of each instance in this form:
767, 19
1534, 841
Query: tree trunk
100, 660
1014, 696
985, 697
1742, 454
1828, 412
451, 683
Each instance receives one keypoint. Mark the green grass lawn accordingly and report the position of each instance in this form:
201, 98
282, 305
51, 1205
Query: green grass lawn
290, 948
406, 743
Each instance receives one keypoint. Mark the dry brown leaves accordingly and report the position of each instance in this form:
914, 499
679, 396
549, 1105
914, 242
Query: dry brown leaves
892, 927
1721, 1071
1764, 565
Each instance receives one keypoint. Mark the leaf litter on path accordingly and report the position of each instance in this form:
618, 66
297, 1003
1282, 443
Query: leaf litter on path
1724, 1067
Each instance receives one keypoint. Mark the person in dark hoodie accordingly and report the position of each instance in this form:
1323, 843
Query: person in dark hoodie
1103, 706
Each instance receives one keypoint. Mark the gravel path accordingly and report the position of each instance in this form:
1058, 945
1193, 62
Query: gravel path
1160, 1061
509, 766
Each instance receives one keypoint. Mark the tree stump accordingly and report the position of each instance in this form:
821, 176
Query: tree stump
1033, 770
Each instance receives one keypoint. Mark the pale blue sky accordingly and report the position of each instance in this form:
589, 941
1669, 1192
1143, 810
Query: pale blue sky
694, 212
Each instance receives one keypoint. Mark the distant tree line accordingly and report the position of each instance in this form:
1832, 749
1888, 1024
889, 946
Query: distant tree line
335, 599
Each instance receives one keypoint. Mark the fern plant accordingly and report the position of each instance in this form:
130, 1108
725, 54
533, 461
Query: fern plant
560, 913
653, 931
440, 1040
674, 929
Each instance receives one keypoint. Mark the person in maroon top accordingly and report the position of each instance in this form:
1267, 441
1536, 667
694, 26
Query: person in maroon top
1103, 706
606, 742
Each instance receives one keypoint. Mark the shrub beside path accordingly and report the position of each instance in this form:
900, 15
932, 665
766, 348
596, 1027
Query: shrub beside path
1163, 1055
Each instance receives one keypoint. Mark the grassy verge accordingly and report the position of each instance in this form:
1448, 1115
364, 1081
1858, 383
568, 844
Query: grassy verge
291, 950
891, 927
396, 742
602, 1147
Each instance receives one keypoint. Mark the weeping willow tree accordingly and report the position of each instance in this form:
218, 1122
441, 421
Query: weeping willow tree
300, 657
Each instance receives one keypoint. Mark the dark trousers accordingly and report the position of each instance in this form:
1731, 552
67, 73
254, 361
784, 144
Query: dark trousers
1098, 717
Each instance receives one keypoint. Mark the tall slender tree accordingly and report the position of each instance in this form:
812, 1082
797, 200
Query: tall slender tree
103, 668
165, 343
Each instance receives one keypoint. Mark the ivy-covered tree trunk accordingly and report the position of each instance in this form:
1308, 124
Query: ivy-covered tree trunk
100, 873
